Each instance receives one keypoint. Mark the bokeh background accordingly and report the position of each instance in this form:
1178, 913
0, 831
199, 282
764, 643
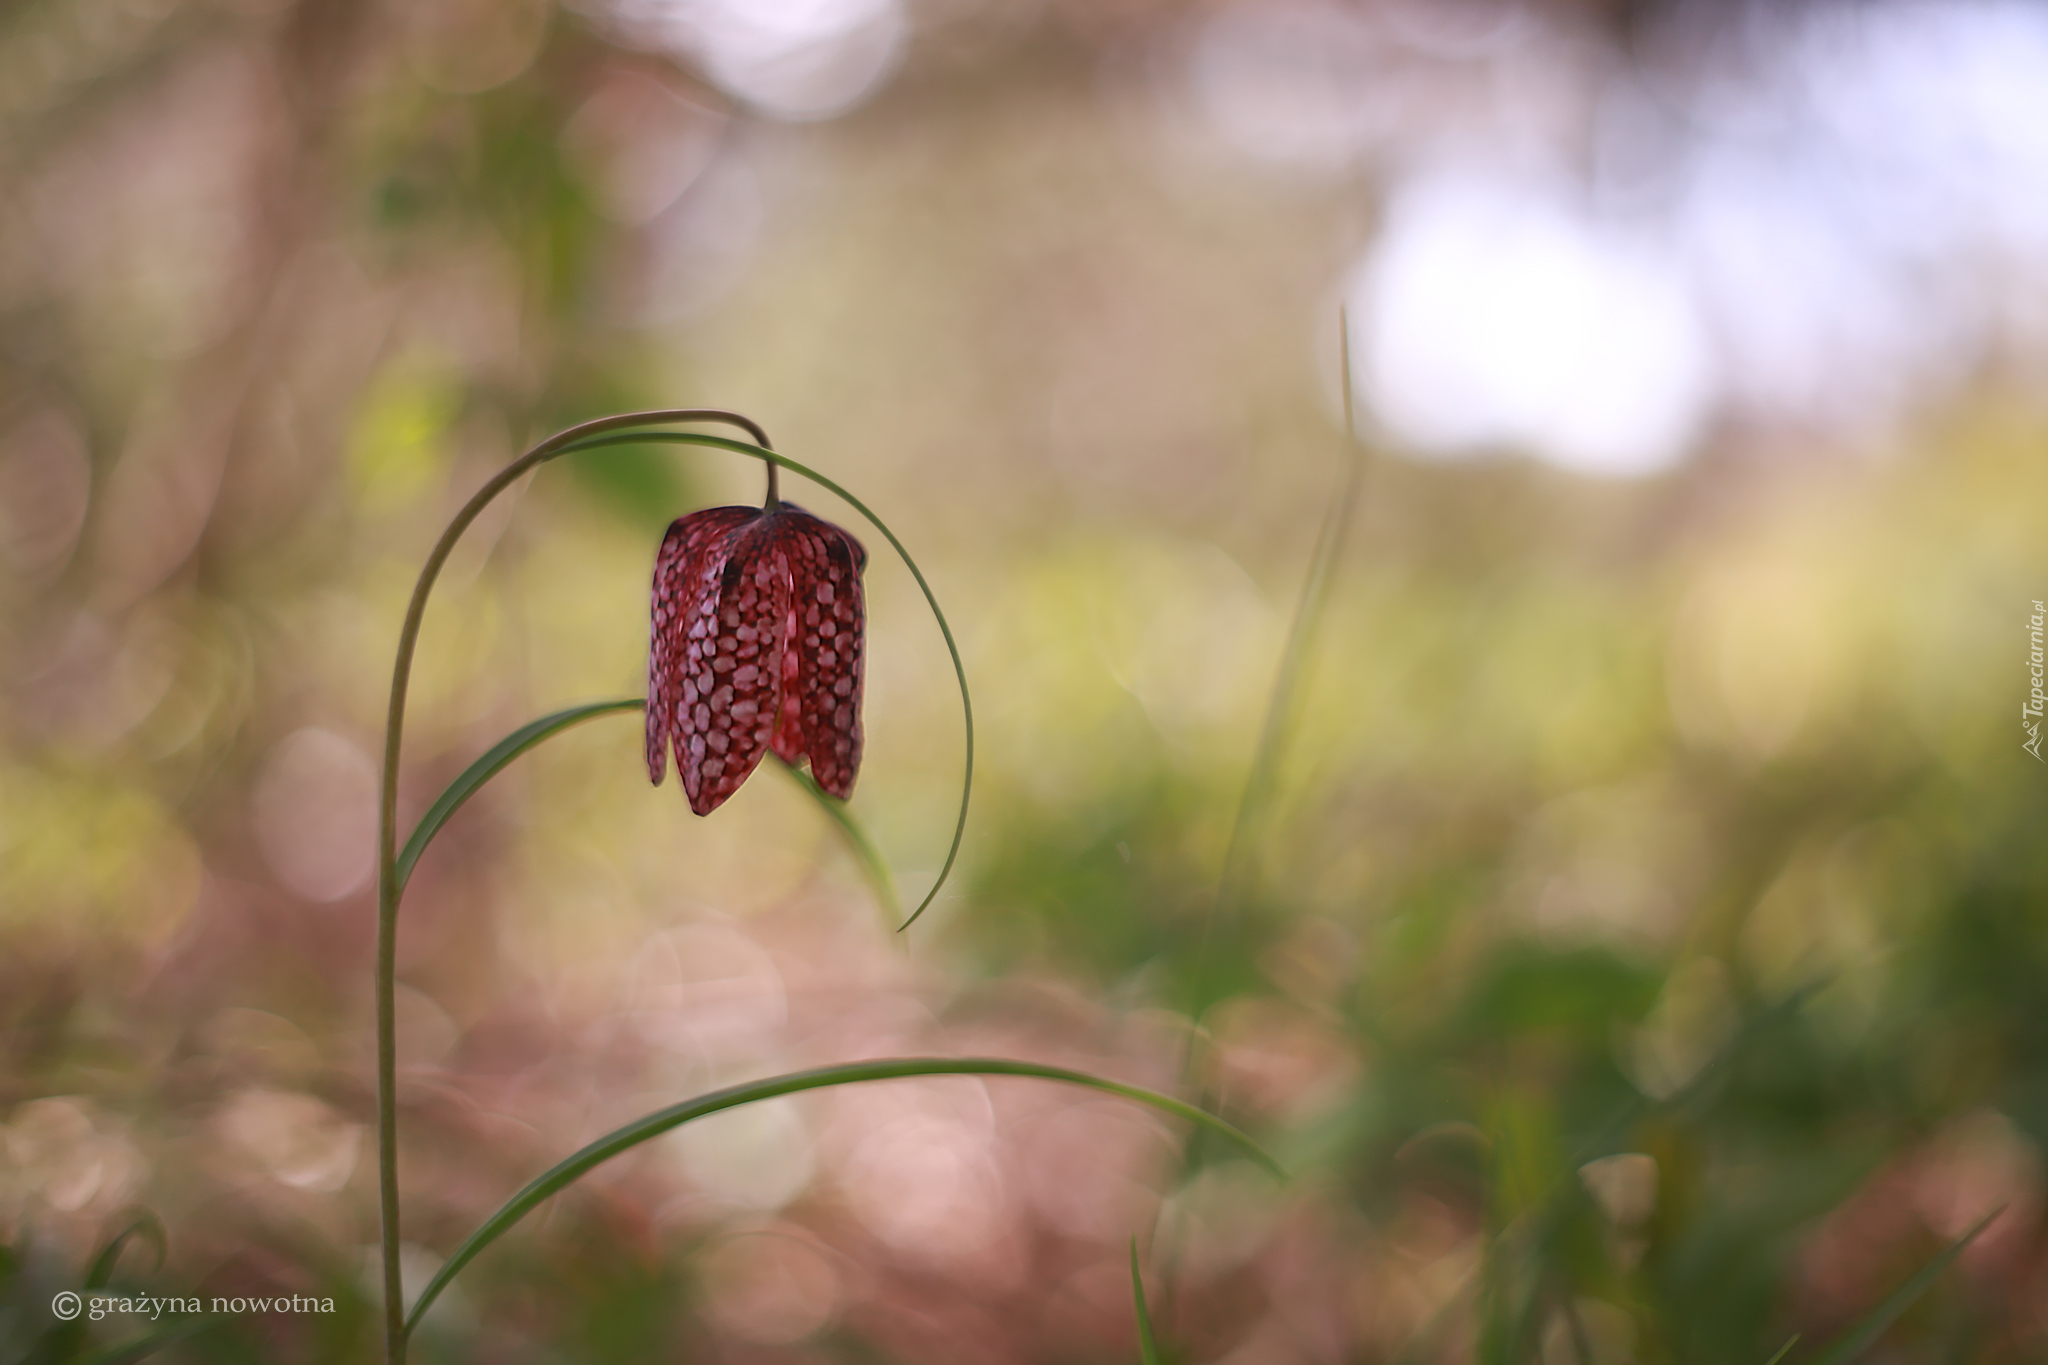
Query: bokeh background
1625, 916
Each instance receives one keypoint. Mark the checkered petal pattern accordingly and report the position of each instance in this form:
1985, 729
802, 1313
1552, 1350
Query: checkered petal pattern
757, 641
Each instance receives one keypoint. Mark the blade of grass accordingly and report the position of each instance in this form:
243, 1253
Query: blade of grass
66, 1339
484, 769
566, 1172
1148, 1349
146, 1225
1240, 873
864, 850
952, 648
1864, 1334
1784, 1350
529, 735
1237, 877
1535, 1236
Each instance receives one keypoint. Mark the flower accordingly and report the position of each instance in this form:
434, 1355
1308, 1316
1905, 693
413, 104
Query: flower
757, 644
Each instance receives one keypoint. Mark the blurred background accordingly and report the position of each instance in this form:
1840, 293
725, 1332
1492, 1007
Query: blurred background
1627, 917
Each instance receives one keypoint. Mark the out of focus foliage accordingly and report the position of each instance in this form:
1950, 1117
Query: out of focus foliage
1638, 954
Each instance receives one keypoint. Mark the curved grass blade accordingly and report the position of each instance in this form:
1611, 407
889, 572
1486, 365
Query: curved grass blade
1148, 1349
1864, 1334
864, 849
1784, 1350
145, 1225
693, 438
484, 769
65, 1340
527, 736
566, 1172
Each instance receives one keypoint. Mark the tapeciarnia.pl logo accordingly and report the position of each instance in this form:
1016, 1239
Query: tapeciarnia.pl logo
2030, 713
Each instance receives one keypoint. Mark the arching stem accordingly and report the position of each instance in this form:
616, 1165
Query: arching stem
387, 820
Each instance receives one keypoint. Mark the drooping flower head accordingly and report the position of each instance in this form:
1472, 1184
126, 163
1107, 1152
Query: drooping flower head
757, 644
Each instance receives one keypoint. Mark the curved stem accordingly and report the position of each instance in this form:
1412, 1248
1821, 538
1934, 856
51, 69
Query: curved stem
387, 822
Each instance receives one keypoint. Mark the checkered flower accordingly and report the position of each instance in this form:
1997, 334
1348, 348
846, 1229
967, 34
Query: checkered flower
757, 645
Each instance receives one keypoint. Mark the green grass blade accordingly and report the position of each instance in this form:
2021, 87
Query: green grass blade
693, 438
145, 1225
661, 1121
864, 850
1238, 880
1864, 1335
1148, 1348
1784, 1350
527, 736
1284, 701
485, 768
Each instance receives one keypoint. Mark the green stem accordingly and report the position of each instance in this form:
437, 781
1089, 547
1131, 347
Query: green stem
387, 824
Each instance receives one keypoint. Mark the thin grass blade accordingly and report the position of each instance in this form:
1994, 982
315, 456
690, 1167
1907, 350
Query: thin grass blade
1239, 878
693, 438
145, 1225
547, 727
1148, 1348
1864, 1335
484, 769
864, 850
566, 1172
1784, 1350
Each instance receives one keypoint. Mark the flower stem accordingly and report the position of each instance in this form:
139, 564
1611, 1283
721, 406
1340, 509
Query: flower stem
388, 887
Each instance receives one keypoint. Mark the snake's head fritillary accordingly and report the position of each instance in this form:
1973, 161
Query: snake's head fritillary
757, 645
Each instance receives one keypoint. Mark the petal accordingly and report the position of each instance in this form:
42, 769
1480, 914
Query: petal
824, 657
685, 576
731, 665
